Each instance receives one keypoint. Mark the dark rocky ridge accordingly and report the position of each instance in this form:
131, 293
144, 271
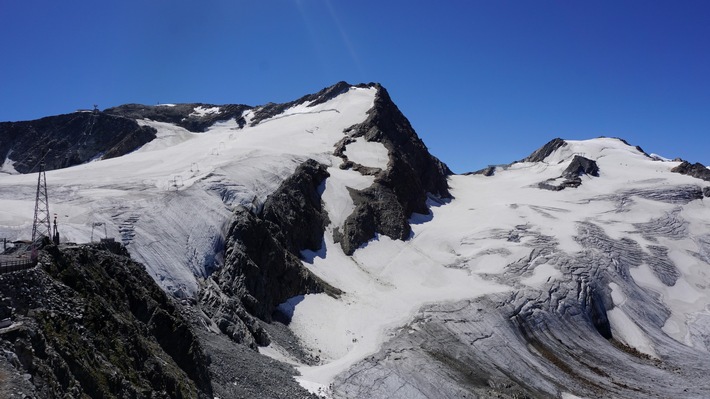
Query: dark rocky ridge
182, 114
572, 175
262, 266
696, 170
90, 323
581, 166
487, 171
412, 175
70, 139
543, 152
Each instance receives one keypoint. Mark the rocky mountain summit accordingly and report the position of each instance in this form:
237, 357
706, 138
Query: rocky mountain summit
316, 249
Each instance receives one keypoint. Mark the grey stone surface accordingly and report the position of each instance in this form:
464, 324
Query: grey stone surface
543, 152
697, 170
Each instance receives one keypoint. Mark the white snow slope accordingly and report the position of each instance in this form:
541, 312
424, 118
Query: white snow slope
169, 200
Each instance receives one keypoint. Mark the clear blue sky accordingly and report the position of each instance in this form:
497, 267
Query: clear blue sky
483, 82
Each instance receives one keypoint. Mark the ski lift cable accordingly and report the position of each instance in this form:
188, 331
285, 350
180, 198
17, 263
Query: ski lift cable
88, 129
40, 160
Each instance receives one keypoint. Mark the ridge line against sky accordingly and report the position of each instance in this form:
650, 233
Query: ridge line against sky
483, 82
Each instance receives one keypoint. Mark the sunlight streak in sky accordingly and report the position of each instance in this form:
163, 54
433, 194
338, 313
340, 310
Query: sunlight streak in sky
346, 39
316, 44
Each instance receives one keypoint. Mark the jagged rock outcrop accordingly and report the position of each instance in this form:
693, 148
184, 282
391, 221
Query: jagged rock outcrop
572, 175
89, 323
581, 166
543, 152
262, 266
195, 117
412, 175
70, 139
487, 171
696, 170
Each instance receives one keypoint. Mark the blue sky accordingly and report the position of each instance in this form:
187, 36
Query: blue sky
483, 82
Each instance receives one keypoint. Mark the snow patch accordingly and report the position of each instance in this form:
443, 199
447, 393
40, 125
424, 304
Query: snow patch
336, 196
541, 275
617, 296
368, 153
629, 333
201, 111
8, 166
167, 135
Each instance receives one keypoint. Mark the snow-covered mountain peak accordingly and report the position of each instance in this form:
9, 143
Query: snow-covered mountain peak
594, 149
559, 151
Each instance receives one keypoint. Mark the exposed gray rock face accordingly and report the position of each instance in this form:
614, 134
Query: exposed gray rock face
70, 139
696, 170
488, 171
240, 372
296, 208
262, 268
543, 152
571, 177
581, 166
412, 175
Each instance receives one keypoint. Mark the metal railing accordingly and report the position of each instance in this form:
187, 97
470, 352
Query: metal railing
7, 266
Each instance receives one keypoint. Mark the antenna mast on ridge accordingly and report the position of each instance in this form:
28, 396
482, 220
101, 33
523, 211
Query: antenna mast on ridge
41, 225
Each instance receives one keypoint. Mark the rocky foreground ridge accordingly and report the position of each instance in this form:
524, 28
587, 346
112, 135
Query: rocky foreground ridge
88, 322
91, 323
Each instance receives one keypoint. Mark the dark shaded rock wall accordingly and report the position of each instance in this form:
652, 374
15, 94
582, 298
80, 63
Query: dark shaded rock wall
543, 152
696, 170
70, 139
262, 266
581, 166
94, 324
182, 115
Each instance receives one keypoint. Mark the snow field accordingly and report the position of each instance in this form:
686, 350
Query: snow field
366, 153
170, 199
201, 111
449, 257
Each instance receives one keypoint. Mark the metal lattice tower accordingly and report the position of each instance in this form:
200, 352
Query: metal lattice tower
41, 225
